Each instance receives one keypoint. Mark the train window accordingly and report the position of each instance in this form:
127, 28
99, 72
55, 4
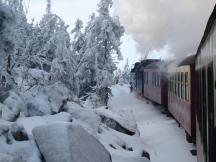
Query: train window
156, 84
145, 77
152, 79
156, 79
173, 83
179, 85
186, 87
176, 84
182, 86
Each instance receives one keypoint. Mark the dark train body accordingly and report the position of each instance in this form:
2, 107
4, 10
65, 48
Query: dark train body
138, 74
206, 96
188, 90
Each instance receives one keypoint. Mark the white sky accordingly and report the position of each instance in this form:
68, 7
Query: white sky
70, 10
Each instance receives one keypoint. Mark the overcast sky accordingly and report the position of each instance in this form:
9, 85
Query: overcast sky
163, 28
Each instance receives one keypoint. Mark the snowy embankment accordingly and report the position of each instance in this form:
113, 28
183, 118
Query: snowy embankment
160, 134
51, 126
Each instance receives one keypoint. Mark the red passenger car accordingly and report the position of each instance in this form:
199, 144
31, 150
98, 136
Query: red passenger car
155, 83
181, 95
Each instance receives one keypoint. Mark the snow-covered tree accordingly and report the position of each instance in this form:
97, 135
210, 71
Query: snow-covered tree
103, 36
48, 53
78, 42
7, 42
62, 67
117, 76
126, 73
48, 26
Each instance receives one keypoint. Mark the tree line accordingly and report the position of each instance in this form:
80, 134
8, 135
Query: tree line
34, 55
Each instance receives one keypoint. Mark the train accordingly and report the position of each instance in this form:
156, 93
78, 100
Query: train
187, 88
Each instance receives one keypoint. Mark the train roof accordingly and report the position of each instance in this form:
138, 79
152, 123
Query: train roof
209, 26
187, 61
157, 65
139, 66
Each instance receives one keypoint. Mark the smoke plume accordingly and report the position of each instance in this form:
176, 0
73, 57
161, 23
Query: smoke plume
158, 24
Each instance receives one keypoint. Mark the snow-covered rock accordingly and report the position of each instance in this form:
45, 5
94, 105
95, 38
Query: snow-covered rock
29, 123
72, 107
38, 105
3, 129
122, 158
16, 150
120, 122
4, 93
60, 117
18, 132
19, 152
67, 143
88, 119
12, 107
6, 157
8, 114
58, 94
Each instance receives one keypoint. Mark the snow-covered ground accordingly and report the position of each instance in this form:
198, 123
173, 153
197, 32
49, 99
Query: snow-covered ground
129, 130
160, 135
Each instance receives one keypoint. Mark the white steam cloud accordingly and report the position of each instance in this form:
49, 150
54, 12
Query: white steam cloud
158, 24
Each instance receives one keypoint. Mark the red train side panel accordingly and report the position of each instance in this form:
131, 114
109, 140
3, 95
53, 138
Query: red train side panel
155, 86
181, 102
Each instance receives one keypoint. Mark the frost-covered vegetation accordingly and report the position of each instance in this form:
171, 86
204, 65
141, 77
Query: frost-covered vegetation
55, 86
123, 76
39, 57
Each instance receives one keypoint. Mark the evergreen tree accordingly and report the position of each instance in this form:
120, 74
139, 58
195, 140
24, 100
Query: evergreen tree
126, 73
7, 42
103, 36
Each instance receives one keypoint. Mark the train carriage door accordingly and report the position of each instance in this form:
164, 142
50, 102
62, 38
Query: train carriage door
210, 111
210, 94
213, 51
